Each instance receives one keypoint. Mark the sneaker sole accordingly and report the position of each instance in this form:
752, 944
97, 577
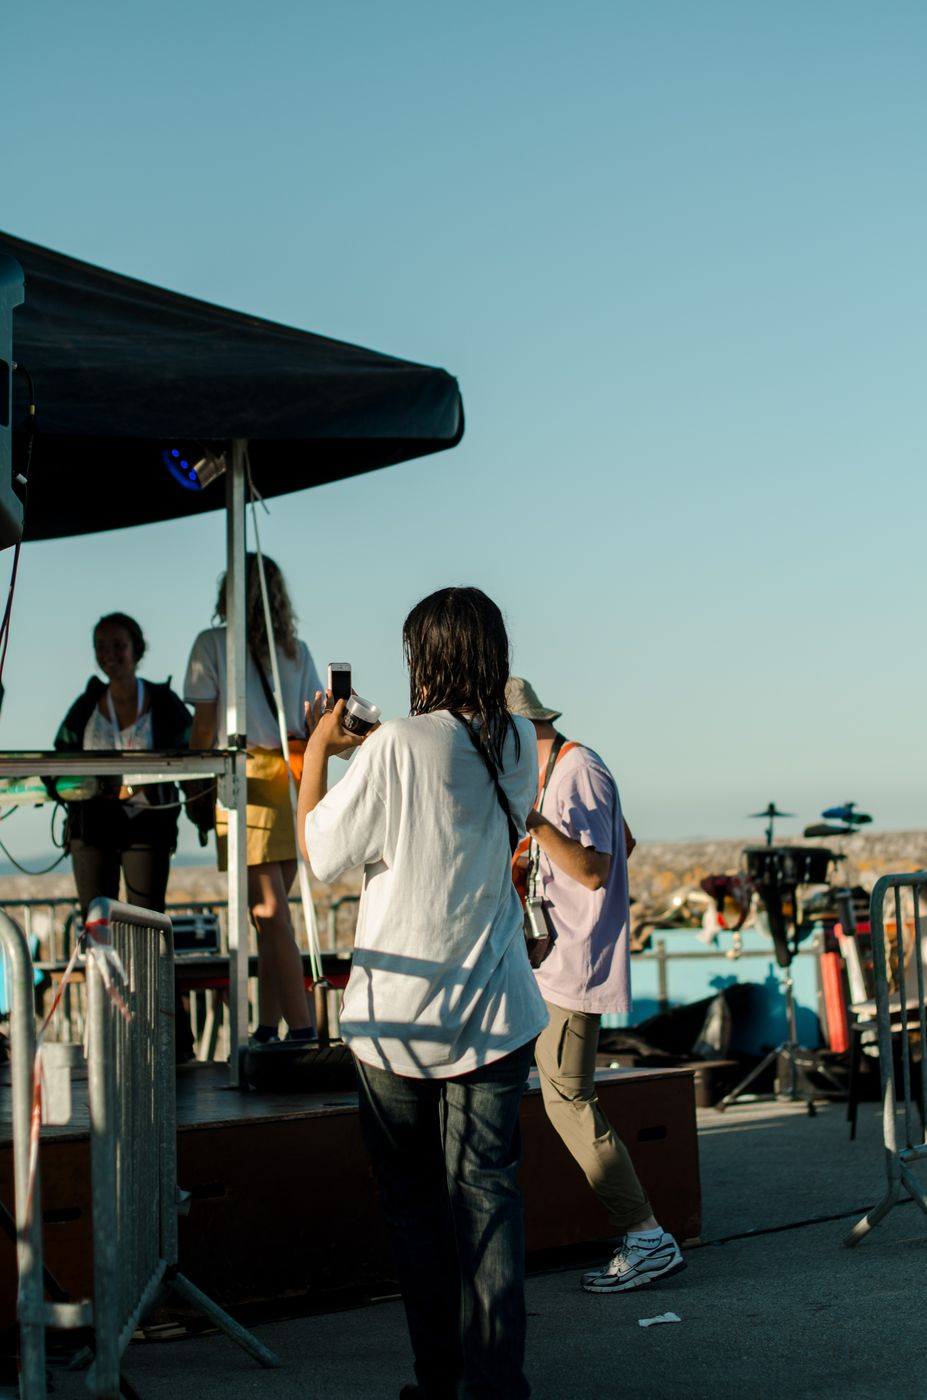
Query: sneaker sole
638, 1281
603, 1277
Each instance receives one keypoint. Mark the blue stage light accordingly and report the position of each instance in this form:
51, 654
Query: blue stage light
180, 470
195, 474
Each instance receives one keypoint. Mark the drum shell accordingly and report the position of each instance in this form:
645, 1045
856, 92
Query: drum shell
788, 865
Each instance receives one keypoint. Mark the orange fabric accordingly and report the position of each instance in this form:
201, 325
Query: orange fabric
297, 749
520, 872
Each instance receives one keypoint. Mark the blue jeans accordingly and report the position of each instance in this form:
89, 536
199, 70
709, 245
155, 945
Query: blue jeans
445, 1153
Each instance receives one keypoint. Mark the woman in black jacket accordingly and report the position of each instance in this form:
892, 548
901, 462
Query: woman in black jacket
125, 831
130, 832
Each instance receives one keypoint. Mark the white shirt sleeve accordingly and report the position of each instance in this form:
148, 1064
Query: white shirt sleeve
201, 682
348, 827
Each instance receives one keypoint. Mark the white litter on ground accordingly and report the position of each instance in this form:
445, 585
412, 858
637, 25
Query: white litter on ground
663, 1317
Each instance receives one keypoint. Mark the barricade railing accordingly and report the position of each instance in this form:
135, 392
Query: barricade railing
49, 920
666, 959
133, 1119
227, 766
132, 1126
55, 922
27, 1203
899, 960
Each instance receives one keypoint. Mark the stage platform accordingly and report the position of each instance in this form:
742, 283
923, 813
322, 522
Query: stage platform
283, 1205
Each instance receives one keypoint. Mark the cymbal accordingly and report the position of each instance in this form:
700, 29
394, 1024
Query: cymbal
771, 811
847, 813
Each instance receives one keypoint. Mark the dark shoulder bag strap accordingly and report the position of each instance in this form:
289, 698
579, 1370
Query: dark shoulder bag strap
491, 770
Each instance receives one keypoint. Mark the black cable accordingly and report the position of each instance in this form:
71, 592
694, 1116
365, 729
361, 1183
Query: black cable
180, 802
60, 844
8, 610
54, 840
31, 382
44, 871
154, 806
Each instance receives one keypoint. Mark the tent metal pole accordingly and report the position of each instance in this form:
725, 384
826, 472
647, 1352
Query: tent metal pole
236, 724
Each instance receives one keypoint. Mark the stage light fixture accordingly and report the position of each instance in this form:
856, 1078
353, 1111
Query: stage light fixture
194, 467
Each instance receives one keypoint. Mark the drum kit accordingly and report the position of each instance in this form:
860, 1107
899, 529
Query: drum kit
778, 874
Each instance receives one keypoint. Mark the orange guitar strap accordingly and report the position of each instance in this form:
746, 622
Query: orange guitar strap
519, 876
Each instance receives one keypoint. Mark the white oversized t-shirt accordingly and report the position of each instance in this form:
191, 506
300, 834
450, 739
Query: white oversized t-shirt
206, 680
440, 981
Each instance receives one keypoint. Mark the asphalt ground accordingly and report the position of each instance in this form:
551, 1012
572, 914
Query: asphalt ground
772, 1307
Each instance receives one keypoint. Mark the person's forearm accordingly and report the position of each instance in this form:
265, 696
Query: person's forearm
205, 726
312, 788
584, 864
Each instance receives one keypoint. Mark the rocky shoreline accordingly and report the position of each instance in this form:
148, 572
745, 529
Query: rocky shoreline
656, 868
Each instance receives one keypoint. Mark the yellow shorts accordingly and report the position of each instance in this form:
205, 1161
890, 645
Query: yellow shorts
269, 825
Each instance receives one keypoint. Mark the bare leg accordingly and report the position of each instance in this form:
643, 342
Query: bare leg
281, 990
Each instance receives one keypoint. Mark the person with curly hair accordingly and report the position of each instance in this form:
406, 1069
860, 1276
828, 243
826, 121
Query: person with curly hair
270, 836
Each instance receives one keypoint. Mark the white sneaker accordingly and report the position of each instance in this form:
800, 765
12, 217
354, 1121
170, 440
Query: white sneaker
634, 1264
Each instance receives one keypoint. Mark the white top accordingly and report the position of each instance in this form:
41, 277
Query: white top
206, 681
102, 732
440, 981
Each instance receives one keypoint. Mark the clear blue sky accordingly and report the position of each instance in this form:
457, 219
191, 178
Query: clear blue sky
675, 255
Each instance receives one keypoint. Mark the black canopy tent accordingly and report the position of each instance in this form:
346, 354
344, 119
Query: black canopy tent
122, 368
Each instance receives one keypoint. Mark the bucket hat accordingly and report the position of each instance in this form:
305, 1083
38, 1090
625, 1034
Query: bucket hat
522, 699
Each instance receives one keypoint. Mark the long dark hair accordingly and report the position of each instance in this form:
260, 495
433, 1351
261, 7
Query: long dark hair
281, 609
457, 651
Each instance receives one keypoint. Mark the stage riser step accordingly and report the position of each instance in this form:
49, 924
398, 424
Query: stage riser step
287, 1206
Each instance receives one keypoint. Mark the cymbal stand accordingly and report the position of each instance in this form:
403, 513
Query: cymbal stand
790, 1049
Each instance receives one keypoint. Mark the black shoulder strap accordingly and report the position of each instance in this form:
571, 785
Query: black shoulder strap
558, 744
491, 769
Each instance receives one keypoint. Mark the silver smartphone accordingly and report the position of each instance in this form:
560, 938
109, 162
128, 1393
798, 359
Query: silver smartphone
339, 680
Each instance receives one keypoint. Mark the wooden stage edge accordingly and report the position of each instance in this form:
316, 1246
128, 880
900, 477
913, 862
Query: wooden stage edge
283, 1206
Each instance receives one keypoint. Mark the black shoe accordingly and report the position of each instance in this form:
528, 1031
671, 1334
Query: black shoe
309, 1039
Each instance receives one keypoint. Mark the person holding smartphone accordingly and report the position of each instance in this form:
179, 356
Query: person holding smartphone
441, 1009
271, 838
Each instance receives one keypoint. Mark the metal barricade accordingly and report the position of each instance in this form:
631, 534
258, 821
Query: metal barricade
132, 1127
900, 971
30, 1294
133, 1154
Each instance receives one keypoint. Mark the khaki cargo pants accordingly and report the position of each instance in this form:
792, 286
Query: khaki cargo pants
565, 1053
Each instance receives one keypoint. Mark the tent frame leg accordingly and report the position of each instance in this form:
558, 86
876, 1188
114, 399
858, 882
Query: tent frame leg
236, 642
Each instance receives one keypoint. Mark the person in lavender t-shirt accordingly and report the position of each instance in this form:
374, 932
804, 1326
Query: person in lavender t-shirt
576, 864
